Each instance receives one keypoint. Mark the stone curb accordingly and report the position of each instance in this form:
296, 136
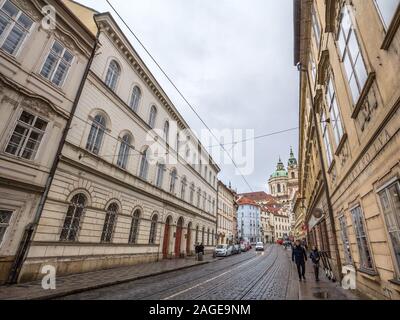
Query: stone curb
50, 296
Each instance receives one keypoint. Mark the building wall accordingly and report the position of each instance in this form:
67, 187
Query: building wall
225, 215
367, 157
98, 177
24, 89
249, 222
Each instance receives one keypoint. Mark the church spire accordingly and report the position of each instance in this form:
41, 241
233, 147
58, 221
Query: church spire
292, 160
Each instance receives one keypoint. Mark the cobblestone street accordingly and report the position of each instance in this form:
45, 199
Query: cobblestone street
248, 276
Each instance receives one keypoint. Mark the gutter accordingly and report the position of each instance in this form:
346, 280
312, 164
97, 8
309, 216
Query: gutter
31, 228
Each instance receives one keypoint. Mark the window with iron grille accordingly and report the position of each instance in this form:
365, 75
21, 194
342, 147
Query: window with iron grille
390, 201
73, 218
153, 230
57, 64
5, 217
350, 54
134, 227
96, 134
387, 10
27, 136
14, 27
109, 223
345, 240
362, 241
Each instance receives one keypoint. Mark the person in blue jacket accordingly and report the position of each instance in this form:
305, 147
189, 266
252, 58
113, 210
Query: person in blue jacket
299, 256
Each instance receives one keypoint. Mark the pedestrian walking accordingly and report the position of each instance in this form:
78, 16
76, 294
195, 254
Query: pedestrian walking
315, 258
299, 256
196, 250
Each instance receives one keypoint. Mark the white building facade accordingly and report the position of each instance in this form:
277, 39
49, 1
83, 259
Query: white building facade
134, 184
249, 221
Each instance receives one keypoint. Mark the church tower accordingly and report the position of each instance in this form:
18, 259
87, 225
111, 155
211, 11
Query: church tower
278, 182
293, 174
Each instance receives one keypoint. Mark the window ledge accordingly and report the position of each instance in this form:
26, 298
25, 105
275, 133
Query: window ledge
392, 30
364, 94
369, 274
395, 281
341, 144
332, 166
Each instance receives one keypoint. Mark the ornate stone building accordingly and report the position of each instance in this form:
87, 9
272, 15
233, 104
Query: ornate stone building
349, 164
133, 183
42, 66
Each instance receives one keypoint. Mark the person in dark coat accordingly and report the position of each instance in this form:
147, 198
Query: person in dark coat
201, 248
299, 256
315, 258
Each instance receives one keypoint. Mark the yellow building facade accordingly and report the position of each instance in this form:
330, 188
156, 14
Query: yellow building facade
347, 53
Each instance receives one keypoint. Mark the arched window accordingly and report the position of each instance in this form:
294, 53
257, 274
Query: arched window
212, 238
135, 99
152, 117
160, 175
144, 165
209, 177
203, 234
134, 227
113, 74
208, 237
198, 198
153, 230
204, 200
187, 154
109, 223
172, 182
124, 150
72, 220
177, 142
293, 175
279, 188
192, 190
197, 235
96, 134
166, 131
183, 188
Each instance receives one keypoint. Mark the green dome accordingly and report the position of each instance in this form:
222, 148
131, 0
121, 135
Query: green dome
280, 171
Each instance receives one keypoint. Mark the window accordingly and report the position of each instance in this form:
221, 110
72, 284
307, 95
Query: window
27, 136
113, 74
197, 234
72, 220
362, 242
124, 150
327, 141
172, 183
109, 223
313, 68
208, 237
57, 64
387, 9
160, 175
334, 111
153, 230
192, 190
14, 27
135, 99
152, 117
350, 54
279, 188
144, 165
390, 200
198, 198
134, 227
183, 188
204, 200
202, 235
96, 134
166, 132
5, 217
345, 240
315, 26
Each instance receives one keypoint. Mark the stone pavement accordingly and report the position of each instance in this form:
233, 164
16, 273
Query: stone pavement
97, 279
325, 289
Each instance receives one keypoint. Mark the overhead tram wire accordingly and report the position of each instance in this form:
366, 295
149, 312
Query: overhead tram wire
180, 93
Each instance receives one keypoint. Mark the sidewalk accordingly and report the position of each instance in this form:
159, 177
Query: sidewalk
322, 290
77, 283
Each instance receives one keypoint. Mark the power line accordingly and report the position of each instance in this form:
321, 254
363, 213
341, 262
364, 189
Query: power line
180, 93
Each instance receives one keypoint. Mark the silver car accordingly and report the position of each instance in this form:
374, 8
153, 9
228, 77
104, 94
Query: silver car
223, 250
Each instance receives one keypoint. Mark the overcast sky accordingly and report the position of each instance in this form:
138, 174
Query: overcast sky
232, 59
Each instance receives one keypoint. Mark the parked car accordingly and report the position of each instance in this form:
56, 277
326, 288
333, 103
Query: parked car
259, 246
236, 249
223, 250
244, 247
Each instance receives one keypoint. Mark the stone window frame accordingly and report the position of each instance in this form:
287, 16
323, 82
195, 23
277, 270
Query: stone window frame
391, 29
5, 225
344, 235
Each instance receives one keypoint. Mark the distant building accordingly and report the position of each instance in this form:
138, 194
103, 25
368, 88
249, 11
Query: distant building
226, 215
249, 215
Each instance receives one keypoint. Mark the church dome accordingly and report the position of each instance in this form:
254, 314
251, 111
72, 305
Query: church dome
280, 171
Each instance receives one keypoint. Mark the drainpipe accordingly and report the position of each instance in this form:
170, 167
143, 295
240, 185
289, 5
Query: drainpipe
324, 176
30, 229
